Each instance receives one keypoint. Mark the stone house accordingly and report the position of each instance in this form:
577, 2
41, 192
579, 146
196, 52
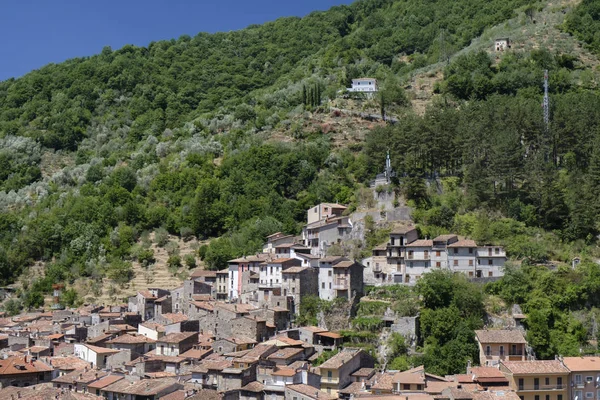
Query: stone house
174, 344
136, 344
497, 345
336, 373
23, 371
221, 292
275, 240
147, 389
236, 269
298, 282
233, 344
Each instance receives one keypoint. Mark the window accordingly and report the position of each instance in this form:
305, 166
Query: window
323, 285
547, 397
488, 350
406, 386
329, 285
426, 254
455, 250
559, 397
470, 263
589, 395
328, 273
559, 383
471, 274
438, 264
536, 397
578, 380
521, 384
490, 262
470, 250
497, 250
536, 384
456, 263
410, 264
501, 351
438, 253
589, 379
578, 395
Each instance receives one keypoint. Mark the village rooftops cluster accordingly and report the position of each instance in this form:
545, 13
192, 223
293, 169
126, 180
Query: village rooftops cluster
232, 334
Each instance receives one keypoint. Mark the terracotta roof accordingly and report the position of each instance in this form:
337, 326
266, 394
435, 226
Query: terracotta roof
343, 264
35, 349
147, 294
130, 339
363, 372
340, 358
196, 353
260, 350
285, 353
434, 387
254, 387
236, 308
535, 367
177, 337
99, 338
255, 258
201, 297
200, 273
104, 381
414, 376
463, 243
444, 238
310, 392
101, 350
331, 335
487, 372
313, 329
500, 336
384, 382
19, 365
68, 363
421, 243
506, 394
80, 376
240, 340
174, 318
582, 364
353, 388
402, 230
55, 336
44, 393
144, 387
284, 372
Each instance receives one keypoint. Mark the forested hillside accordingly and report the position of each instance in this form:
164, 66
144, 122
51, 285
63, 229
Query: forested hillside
177, 137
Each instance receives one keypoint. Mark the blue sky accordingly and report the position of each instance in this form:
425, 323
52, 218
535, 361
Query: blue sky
37, 32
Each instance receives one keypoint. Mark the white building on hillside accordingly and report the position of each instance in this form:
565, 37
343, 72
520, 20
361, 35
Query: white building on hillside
368, 85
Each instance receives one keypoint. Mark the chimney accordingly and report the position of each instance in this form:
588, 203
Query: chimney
469, 367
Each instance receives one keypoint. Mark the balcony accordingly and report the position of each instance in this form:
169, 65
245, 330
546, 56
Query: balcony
340, 284
541, 388
313, 235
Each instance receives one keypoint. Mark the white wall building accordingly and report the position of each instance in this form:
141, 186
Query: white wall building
364, 85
